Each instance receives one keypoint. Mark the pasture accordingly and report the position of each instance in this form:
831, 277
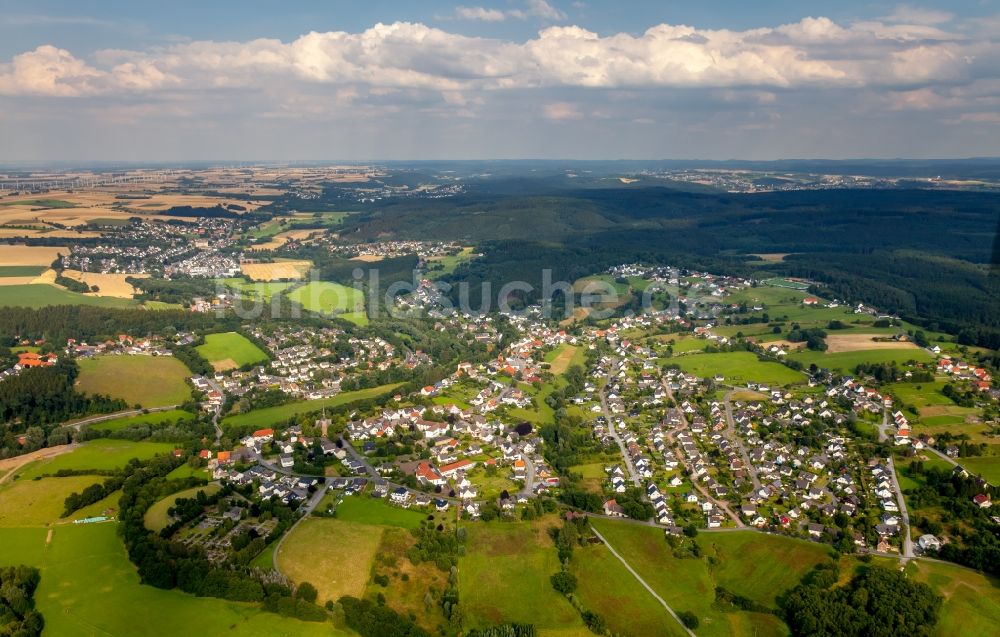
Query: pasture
986, 466
7, 271
38, 502
738, 367
264, 290
923, 394
327, 297
101, 454
563, 356
333, 555
505, 578
89, 587
170, 416
150, 381
277, 271
271, 415
157, 518
229, 350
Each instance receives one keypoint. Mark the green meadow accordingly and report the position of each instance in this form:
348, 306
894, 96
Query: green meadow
43, 295
738, 367
271, 415
150, 381
231, 346
367, 510
101, 454
171, 416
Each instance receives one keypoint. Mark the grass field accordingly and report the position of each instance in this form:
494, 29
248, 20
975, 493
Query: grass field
155, 417
505, 578
608, 589
43, 295
333, 555
562, 357
89, 588
150, 381
21, 270
971, 600
271, 415
689, 584
40, 203
38, 502
918, 394
847, 361
260, 290
738, 367
327, 297
157, 517
95, 454
366, 510
230, 350
986, 466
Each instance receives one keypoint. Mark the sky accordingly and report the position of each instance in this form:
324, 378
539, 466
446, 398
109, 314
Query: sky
258, 80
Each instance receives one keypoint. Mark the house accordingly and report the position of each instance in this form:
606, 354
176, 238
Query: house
400, 495
929, 542
426, 474
263, 435
287, 461
613, 509
982, 500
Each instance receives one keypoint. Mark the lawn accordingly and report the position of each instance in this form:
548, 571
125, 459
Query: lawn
918, 394
150, 381
230, 350
170, 416
38, 502
505, 578
89, 588
365, 510
738, 367
43, 295
101, 454
333, 555
847, 361
608, 589
971, 600
328, 297
281, 413
157, 517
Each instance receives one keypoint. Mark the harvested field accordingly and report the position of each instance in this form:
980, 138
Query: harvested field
368, 258
30, 255
771, 257
276, 271
837, 343
107, 284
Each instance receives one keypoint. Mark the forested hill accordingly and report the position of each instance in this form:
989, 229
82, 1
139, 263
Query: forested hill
922, 253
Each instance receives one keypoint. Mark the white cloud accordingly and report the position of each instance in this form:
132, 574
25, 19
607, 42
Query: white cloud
561, 111
481, 14
908, 14
544, 10
811, 53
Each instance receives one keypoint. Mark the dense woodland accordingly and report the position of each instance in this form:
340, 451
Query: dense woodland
18, 616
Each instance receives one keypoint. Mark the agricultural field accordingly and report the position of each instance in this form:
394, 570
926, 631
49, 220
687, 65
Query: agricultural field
333, 555
563, 357
328, 297
157, 517
38, 502
971, 600
30, 255
505, 578
101, 454
21, 271
149, 381
263, 291
923, 394
113, 285
271, 415
449, 263
277, 271
738, 367
230, 350
847, 361
171, 416
87, 579
43, 295
854, 342
986, 466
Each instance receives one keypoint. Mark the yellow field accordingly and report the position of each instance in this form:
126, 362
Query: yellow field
837, 343
276, 271
29, 255
369, 258
771, 257
107, 284
333, 555
561, 362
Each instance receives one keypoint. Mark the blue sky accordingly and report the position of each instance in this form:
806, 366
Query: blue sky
335, 79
